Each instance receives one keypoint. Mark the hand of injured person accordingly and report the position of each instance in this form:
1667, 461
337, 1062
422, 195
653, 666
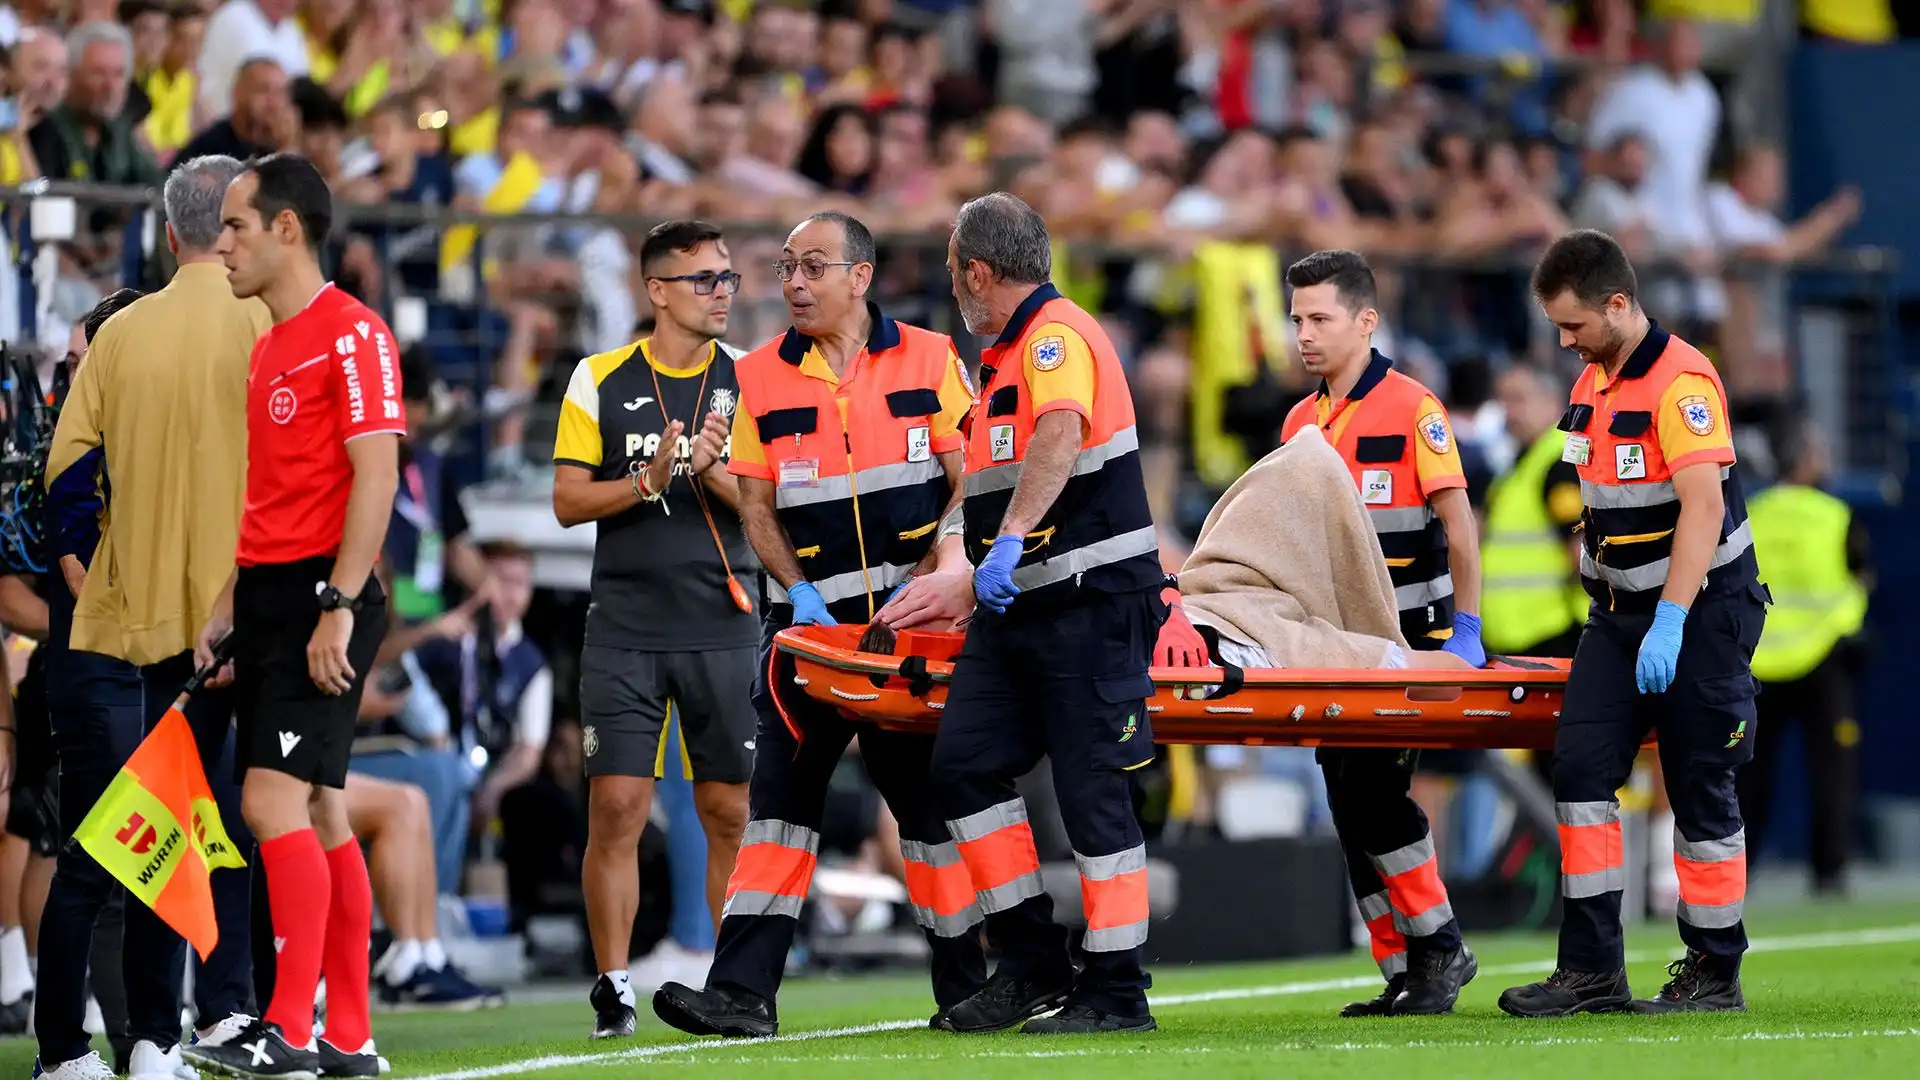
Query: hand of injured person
935, 601
1179, 645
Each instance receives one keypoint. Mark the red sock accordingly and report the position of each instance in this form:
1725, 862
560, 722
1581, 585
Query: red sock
297, 891
349, 934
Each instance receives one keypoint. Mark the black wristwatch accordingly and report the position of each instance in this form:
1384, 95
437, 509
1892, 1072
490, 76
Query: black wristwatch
332, 599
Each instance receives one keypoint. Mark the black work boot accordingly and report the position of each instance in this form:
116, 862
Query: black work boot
1379, 1006
1564, 993
1434, 981
1004, 1002
1696, 986
1080, 1018
717, 1010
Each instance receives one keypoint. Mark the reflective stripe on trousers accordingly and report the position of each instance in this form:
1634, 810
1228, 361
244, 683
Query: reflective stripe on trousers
850, 585
1389, 947
1592, 858
1713, 879
1113, 890
774, 870
1419, 899
1654, 574
997, 845
1090, 460
1126, 545
840, 488
939, 888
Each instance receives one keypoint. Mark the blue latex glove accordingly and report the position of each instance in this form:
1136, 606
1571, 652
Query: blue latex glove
1465, 642
807, 605
993, 585
1660, 649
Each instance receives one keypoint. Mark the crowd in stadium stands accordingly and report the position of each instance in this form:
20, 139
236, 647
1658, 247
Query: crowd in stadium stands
1450, 140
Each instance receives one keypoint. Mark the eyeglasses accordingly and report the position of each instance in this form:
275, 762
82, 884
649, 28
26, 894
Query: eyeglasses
706, 281
813, 268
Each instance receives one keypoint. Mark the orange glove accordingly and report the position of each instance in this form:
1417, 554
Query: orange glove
1180, 645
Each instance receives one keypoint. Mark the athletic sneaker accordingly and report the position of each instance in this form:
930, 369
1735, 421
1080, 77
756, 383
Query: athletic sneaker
80, 1068
365, 1061
257, 1050
445, 990
612, 1017
149, 1062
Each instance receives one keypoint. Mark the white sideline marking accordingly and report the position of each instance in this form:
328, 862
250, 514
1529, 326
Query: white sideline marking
1884, 935
1313, 1047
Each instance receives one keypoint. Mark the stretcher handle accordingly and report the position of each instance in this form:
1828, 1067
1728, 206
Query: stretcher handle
914, 670
1522, 664
1232, 676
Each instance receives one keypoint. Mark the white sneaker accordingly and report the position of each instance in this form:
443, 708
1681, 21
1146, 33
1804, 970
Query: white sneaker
150, 1063
80, 1068
223, 1032
669, 962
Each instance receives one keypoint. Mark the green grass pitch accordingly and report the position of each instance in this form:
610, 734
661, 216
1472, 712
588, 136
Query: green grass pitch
1833, 991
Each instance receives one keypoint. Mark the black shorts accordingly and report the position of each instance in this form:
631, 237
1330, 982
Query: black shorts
33, 811
283, 721
624, 694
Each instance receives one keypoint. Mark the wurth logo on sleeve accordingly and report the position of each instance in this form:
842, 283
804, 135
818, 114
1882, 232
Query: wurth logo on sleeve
389, 376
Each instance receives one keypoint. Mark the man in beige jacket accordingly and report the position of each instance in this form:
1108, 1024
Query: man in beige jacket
163, 393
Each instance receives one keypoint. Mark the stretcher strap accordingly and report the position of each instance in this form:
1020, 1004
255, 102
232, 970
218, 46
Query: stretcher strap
1518, 662
1232, 676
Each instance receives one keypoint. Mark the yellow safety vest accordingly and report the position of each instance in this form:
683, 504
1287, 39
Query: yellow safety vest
1869, 22
1800, 539
1237, 299
1529, 591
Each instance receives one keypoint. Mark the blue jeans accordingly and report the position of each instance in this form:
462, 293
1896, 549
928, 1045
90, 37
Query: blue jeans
447, 781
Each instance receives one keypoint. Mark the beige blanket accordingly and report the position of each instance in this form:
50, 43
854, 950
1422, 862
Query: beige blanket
1288, 561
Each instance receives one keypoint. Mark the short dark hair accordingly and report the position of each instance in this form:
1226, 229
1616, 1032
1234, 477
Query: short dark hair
1588, 263
109, 306
670, 237
319, 110
1347, 271
290, 182
857, 244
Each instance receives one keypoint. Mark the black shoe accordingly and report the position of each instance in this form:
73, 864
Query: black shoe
1695, 988
1078, 1019
337, 1062
612, 1017
1379, 1006
13, 1018
1004, 1002
716, 1010
1564, 993
255, 1050
1435, 981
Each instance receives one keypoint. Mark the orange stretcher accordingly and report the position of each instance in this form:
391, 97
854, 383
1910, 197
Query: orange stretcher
1511, 704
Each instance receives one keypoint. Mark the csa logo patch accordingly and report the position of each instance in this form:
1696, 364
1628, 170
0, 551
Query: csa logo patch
1049, 353
1433, 428
1697, 414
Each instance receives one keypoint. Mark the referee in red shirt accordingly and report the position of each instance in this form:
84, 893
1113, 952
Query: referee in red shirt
324, 420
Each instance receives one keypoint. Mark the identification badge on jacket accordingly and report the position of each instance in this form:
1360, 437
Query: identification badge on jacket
1579, 450
1000, 439
919, 443
1376, 487
800, 472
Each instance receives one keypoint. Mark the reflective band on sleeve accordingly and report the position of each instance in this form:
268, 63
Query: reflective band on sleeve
939, 888
1713, 879
1113, 889
1090, 460
1419, 898
997, 844
774, 869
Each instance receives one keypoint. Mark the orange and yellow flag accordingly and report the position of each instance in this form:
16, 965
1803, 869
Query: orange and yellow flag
136, 832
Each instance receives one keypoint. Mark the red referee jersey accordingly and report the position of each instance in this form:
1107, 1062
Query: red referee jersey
323, 378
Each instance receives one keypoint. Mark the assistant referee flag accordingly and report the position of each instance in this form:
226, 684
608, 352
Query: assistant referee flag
139, 830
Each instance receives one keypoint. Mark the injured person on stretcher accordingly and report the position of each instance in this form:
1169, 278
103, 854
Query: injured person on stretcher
1286, 573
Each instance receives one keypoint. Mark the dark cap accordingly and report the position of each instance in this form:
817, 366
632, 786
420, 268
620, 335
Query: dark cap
583, 107
698, 9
